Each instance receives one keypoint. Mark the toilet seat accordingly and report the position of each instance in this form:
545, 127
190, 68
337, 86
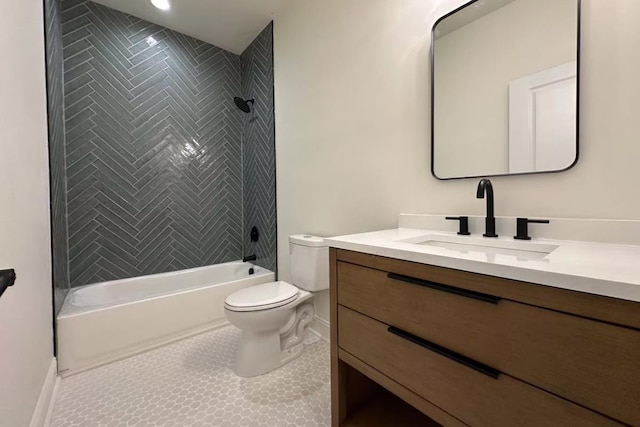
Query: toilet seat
262, 297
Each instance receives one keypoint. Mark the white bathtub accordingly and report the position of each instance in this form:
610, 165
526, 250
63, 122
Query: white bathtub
107, 321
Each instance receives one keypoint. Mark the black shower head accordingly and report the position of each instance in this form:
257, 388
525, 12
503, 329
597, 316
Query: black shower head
242, 104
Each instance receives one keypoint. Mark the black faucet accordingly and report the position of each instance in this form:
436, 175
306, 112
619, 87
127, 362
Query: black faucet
249, 258
485, 186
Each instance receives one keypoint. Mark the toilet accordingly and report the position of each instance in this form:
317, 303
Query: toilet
273, 317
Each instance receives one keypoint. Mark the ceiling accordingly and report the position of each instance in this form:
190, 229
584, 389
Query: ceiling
229, 24
469, 14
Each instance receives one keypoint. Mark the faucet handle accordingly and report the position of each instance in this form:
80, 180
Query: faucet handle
522, 227
464, 224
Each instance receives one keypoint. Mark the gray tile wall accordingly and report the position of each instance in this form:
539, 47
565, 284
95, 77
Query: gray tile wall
153, 147
55, 104
258, 142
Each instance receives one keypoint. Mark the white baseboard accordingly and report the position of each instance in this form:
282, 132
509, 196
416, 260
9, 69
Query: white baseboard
52, 403
320, 327
44, 406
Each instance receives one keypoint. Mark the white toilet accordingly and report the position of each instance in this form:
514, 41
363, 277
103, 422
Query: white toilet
274, 316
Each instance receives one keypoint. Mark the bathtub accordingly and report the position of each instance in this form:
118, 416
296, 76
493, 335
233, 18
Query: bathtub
107, 321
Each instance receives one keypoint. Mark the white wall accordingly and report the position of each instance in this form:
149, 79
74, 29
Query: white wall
474, 66
352, 121
26, 341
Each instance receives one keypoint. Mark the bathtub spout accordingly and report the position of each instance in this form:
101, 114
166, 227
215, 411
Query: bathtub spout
249, 258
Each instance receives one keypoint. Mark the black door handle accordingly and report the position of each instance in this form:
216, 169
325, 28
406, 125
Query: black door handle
451, 355
7, 278
446, 288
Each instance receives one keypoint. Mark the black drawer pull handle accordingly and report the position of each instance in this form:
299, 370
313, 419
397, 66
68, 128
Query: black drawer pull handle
456, 357
7, 278
446, 288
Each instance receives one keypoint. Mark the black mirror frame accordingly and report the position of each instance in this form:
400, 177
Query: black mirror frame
432, 77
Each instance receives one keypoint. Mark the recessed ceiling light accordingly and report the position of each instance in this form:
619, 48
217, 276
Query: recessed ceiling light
161, 4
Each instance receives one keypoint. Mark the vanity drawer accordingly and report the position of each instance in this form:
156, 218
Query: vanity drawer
473, 393
592, 363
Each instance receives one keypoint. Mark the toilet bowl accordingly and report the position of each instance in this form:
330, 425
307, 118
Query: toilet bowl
273, 317
272, 329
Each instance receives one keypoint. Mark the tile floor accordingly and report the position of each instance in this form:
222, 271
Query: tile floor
191, 383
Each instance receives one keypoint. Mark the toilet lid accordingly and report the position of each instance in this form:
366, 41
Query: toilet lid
267, 295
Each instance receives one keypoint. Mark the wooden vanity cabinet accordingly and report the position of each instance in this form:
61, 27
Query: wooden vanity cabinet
470, 349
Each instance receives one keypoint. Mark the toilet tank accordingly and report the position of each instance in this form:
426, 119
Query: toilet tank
309, 259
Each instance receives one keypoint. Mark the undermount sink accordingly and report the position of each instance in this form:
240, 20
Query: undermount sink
462, 244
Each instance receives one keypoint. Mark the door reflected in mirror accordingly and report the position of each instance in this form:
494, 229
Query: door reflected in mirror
505, 88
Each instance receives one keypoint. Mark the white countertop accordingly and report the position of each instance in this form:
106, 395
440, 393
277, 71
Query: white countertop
603, 269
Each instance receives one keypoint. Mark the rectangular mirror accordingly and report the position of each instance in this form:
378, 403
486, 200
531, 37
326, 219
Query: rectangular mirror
505, 88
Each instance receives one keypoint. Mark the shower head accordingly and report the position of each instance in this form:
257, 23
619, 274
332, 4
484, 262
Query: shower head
243, 105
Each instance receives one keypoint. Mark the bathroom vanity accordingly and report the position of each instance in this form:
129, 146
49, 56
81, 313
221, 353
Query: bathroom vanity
483, 337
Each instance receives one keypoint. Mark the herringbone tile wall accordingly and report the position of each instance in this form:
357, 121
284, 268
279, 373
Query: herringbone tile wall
153, 147
55, 105
258, 141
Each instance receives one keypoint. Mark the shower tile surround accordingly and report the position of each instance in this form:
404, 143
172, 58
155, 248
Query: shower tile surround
154, 157
191, 383
55, 103
153, 150
258, 142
